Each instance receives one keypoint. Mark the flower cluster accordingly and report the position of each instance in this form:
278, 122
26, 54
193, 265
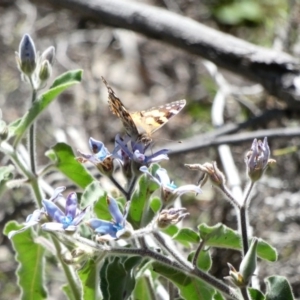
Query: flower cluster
35, 68
52, 217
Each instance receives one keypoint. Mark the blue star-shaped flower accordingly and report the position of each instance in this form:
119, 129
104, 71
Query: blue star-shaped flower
110, 230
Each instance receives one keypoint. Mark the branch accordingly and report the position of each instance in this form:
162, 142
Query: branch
208, 140
275, 70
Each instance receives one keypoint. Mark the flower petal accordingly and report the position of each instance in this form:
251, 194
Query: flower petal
53, 211
145, 170
71, 205
114, 210
163, 176
187, 189
57, 193
31, 220
80, 216
53, 226
98, 149
102, 227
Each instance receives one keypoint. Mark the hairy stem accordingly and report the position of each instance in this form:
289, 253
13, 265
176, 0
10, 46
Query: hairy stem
31, 137
197, 253
243, 219
194, 272
118, 186
178, 257
69, 272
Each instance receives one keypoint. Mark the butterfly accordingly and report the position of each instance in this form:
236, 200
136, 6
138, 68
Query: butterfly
140, 125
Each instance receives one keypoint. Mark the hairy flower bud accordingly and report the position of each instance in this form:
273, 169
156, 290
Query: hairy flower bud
171, 216
26, 58
45, 70
248, 264
242, 277
258, 159
49, 55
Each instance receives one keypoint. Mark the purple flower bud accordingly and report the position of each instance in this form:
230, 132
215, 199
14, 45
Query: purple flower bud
258, 158
26, 58
48, 55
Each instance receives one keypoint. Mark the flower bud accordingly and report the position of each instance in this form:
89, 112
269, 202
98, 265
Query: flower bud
248, 264
171, 217
26, 58
49, 55
45, 71
235, 277
258, 159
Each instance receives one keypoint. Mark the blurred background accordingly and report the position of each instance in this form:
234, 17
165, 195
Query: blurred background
146, 73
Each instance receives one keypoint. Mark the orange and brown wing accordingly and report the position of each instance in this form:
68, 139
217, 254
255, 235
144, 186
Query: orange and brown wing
154, 118
117, 108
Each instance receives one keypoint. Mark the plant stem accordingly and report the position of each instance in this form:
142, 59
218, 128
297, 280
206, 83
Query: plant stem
31, 138
171, 290
244, 293
171, 250
243, 229
194, 272
243, 222
70, 274
226, 191
118, 186
197, 253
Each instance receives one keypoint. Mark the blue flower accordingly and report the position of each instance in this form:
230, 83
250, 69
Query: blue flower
63, 221
169, 191
101, 157
110, 230
127, 150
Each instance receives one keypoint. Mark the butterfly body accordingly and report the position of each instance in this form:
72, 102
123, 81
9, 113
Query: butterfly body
141, 125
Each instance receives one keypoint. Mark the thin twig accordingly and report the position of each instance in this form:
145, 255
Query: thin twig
202, 141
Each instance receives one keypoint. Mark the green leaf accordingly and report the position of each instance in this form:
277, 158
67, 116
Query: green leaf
170, 230
142, 290
62, 154
187, 235
278, 288
218, 296
189, 287
221, 236
92, 193
140, 213
204, 261
66, 80
155, 204
256, 294
30, 257
101, 208
69, 293
117, 279
89, 279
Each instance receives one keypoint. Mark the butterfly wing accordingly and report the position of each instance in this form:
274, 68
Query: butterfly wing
117, 108
154, 118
